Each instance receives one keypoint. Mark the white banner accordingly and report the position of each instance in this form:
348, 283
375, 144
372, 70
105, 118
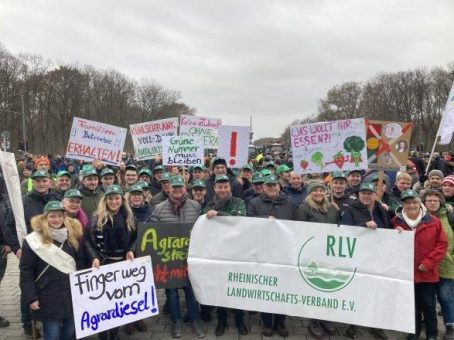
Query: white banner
346, 274
89, 140
112, 295
201, 127
447, 120
12, 180
182, 150
329, 146
147, 137
234, 145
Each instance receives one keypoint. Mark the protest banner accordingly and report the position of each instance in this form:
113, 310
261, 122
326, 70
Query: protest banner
112, 295
147, 137
182, 150
329, 146
201, 127
89, 140
12, 181
234, 144
387, 144
167, 244
321, 271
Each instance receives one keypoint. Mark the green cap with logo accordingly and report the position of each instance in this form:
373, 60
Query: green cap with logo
282, 168
176, 181
246, 167
144, 185
40, 174
165, 177
258, 178
114, 190
367, 187
145, 171
136, 187
197, 167
73, 193
271, 179
221, 178
107, 171
89, 171
265, 172
269, 164
53, 206
198, 183
158, 168
410, 193
63, 173
338, 175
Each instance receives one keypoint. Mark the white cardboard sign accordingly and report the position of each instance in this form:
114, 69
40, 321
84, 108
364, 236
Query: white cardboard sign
234, 145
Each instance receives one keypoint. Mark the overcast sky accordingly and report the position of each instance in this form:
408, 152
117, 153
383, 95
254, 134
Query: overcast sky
232, 59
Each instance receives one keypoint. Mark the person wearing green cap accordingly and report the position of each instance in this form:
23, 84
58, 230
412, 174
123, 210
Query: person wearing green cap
274, 204
107, 179
111, 236
283, 172
145, 174
245, 177
256, 189
155, 185
90, 191
72, 202
131, 176
198, 172
198, 192
44, 276
219, 167
354, 180
62, 182
430, 245
224, 204
165, 186
338, 191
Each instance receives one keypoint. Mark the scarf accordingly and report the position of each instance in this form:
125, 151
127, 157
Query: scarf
414, 223
177, 203
60, 235
219, 204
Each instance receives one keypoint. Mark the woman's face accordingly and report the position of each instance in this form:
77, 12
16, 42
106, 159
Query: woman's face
72, 205
136, 199
55, 219
318, 195
411, 207
432, 203
114, 202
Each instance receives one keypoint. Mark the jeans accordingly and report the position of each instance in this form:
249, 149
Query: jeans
425, 306
173, 301
267, 319
59, 329
445, 295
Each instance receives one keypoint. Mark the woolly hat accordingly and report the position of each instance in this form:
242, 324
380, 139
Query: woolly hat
449, 180
436, 173
42, 160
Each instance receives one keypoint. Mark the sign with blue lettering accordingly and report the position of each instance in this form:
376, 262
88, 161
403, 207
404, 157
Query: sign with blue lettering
113, 295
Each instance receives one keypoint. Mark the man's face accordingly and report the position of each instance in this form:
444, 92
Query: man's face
145, 178
367, 197
26, 172
271, 189
222, 189
165, 186
257, 187
177, 192
131, 177
339, 186
285, 175
90, 182
107, 180
42, 166
246, 173
63, 183
220, 169
435, 181
198, 174
199, 193
42, 184
295, 180
403, 184
157, 175
448, 190
354, 179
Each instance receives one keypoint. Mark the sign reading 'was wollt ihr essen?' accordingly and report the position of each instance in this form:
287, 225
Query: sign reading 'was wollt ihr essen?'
320, 271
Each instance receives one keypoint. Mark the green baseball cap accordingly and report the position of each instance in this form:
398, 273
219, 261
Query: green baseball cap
282, 168
176, 181
136, 188
258, 178
314, 185
145, 171
367, 187
410, 193
338, 175
107, 171
198, 183
131, 167
221, 178
73, 193
89, 171
53, 206
144, 185
265, 172
158, 168
246, 167
269, 164
114, 189
165, 177
63, 173
199, 167
271, 179
40, 174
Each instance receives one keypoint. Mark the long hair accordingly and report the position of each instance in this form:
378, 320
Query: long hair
322, 206
41, 226
128, 196
104, 214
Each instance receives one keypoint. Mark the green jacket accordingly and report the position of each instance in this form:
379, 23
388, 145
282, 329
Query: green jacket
235, 207
446, 266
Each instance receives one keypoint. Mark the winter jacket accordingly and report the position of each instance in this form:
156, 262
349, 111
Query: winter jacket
189, 212
248, 195
155, 187
297, 196
90, 200
357, 214
263, 206
143, 213
344, 201
5, 211
306, 213
446, 267
159, 198
430, 245
52, 290
235, 207
237, 187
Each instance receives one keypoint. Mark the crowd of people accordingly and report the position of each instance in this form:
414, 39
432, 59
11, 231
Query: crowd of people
81, 215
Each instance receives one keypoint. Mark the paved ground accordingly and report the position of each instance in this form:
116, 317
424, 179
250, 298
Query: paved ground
158, 327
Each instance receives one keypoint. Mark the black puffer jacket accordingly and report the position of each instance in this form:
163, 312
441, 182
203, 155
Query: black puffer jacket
263, 206
358, 214
343, 202
155, 187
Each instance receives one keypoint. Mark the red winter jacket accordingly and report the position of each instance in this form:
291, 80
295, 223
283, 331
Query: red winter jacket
430, 245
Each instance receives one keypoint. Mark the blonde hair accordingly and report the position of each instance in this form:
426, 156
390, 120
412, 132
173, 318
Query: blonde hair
145, 197
104, 214
403, 175
322, 207
41, 226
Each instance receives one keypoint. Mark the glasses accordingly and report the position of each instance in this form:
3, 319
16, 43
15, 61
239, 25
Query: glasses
432, 201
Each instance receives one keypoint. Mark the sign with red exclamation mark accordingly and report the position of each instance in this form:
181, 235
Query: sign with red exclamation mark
233, 140
233, 145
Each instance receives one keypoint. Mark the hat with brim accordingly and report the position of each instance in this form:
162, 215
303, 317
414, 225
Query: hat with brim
271, 179
136, 188
114, 190
63, 173
144, 185
40, 174
53, 206
221, 178
158, 168
145, 171
246, 167
73, 193
258, 178
197, 183
408, 194
338, 175
282, 168
165, 177
367, 187
176, 181
89, 171
107, 171
198, 167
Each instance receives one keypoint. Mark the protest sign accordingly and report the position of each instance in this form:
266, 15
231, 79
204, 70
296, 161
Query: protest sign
12, 181
234, 144
387, 144
89, 140
321, 271
182, 150
112, 295
329, 146
168, 246
201, 127
147, 137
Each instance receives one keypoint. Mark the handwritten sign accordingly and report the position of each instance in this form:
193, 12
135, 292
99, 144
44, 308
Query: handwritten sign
112, 295
329, 146
182, 150
147, 137
387, 144
168, 246
202, 127
91, 140
234, 144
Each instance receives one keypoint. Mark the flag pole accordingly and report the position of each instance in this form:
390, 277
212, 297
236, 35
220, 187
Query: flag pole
433, 148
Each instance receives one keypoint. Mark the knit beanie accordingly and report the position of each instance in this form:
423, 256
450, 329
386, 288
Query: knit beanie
449, 180
436, 173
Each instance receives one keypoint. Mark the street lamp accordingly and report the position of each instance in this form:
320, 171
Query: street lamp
24, 131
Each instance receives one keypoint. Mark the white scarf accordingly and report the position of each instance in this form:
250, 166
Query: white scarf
60, 235
414, 223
